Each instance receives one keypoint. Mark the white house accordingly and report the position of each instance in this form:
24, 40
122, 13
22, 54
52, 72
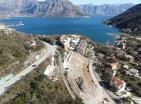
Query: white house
134, 72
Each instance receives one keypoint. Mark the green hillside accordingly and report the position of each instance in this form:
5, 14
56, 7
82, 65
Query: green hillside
14, 48
129, 20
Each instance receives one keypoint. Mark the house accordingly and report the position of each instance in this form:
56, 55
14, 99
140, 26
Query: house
8, 30
2, 27
118, 84
81, 47
75, 39
111, 69
114, 66
121, 43
134, 72
69, 42
126, 67
129, 58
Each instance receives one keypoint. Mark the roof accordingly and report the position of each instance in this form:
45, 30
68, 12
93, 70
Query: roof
126, 66
129, 56
134, 70
114, 66
117, 81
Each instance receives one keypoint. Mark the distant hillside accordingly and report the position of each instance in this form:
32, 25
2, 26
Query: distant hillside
129, 20
106, 9
50, 8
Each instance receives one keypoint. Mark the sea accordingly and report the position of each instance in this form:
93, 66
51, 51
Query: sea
94, 27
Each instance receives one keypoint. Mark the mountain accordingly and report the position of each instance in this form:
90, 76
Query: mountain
129, 20
105, 9
50, 8
17, 7
58, 8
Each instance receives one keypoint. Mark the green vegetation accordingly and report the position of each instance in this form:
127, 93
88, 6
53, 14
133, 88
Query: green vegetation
36, 88
88, 51
132, 82
129, 20
11, 46
101, 48
14, 48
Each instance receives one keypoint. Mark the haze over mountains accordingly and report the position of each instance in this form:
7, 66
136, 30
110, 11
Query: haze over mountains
58, 8
105, 9
51, 8
130, 20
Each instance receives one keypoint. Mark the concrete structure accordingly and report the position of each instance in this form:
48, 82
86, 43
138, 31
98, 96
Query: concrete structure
49, 70
124, 94
137, 100
81, 47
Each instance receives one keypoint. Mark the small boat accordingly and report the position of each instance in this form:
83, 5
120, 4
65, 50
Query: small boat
21, 24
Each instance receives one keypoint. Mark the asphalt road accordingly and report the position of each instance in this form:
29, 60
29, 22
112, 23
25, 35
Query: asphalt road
50, 51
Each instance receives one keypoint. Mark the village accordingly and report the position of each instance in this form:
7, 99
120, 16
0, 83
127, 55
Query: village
118, 66
92, 70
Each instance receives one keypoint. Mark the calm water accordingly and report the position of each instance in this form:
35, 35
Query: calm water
90, 27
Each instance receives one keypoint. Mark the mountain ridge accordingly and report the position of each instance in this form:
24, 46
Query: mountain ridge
105, 9
49, 8
129, 20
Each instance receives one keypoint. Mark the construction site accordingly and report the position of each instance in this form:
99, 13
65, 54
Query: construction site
82, 81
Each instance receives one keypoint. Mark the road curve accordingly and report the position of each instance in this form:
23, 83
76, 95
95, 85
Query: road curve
50, 51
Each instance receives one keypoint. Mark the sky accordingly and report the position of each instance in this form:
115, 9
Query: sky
99, 2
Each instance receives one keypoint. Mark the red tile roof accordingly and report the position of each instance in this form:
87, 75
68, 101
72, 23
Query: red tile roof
117, 81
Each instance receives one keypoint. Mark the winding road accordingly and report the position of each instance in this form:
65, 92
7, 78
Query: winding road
50, 51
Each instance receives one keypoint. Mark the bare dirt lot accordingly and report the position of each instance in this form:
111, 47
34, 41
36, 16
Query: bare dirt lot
80, 79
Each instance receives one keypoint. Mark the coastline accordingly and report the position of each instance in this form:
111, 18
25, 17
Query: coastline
90, 27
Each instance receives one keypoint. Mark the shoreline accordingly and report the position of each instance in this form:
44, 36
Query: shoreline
95, 31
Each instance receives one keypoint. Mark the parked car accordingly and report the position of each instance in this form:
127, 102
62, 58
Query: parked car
33, 65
